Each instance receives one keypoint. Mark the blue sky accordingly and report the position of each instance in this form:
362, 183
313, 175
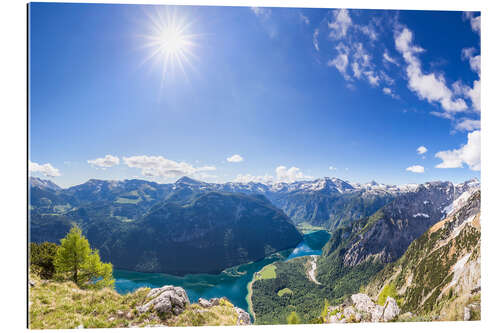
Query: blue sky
262, 94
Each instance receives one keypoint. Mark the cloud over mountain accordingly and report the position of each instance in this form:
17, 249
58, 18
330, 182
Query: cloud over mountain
416, 169
469, 154
46, 169
105, 162
159, 166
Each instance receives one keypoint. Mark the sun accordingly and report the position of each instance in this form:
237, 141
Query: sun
170, 42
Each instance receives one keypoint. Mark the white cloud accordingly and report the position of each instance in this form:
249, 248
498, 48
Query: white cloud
340, 62
468, 125
283, 175
235, 158
265, 13
356, 70
372, 78
475, 22
45, 169
331, 168
369, 31
474, 61
386, 78
416, 169
421, 150
389, 59
105, 162
340, 23
388, 91
474, 93
352, 59
469, 154
475, 64
256, 179
362, 56
304, 18
315, 39
159, 166
289, 175
431, 87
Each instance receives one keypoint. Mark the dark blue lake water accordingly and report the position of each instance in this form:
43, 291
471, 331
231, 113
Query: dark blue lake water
231, 283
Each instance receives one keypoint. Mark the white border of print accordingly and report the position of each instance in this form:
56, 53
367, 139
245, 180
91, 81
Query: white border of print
14, 143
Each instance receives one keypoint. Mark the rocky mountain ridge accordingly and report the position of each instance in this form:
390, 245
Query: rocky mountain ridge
326, 202
439, 274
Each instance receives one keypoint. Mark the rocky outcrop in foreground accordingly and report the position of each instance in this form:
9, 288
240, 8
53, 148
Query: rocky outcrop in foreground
166, 300
172, 301
360, 308
105, 308
243, 316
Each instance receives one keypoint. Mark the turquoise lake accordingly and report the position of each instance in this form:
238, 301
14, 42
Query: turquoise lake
231, 283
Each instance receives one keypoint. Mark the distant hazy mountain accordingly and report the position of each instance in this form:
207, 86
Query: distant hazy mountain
43, 184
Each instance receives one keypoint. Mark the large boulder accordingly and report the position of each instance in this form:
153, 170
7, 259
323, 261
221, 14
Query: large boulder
166, 300
391, 309
362, 302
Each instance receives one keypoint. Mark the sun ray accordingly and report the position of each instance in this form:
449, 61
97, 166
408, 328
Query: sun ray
170, 43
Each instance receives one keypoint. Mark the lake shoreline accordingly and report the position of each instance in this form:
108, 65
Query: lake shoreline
235, 283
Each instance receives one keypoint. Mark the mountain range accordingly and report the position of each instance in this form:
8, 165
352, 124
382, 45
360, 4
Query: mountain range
367, 221
357, 251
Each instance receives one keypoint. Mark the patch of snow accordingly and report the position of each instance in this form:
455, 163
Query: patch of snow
458, 203
421, 215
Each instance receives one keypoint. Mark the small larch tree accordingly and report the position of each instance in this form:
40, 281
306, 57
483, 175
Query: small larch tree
324, 313
78, 262
293, 318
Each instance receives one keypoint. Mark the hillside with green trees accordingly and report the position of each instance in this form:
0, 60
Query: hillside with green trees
187, 232
287, 290
69, 287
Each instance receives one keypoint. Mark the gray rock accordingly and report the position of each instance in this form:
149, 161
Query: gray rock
120, 313
391, 309
349, 313
467, 314
204, 303
216, 301
406, 316
209, 303
377, 313
243, 317
362, 302
166, 300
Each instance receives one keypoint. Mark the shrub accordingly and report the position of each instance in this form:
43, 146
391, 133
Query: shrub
293, 318
41, 258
